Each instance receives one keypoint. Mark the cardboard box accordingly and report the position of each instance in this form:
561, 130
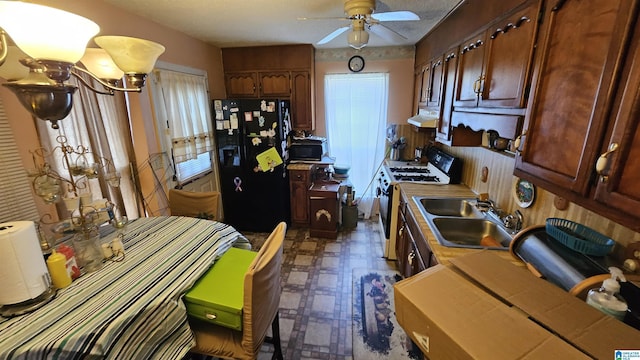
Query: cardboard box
484, 307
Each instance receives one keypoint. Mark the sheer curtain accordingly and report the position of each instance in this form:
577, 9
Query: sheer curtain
356, 117
100, 124
184, 103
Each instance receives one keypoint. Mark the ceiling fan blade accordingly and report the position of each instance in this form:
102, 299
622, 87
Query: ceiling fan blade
333, 35
395, 16
303, 18
386, 33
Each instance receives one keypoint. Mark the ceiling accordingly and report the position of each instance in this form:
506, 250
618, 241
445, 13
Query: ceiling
235, 23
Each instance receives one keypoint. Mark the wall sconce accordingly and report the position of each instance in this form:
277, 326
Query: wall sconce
52, 51
358, 37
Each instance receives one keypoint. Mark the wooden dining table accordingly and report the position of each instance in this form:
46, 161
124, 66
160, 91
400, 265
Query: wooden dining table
130, 309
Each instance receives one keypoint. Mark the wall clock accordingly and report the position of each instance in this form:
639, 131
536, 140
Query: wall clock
356, 63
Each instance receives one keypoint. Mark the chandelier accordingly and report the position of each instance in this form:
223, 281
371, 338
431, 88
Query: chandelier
48, 53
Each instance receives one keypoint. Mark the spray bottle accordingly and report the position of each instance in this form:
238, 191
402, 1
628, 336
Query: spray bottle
607, 298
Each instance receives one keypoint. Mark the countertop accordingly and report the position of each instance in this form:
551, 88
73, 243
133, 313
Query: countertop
443, 253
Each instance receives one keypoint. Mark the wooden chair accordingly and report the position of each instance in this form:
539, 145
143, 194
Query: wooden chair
194, 204
262, 290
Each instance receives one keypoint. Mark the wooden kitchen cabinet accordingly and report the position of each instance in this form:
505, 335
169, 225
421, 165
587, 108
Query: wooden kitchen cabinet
284, 72
469, 77
275, 84
444, 129
299, 183
429, 78
434, 89
618, 186
424, 76
323, 210
252, 84
414, 254
241, 84
494, 64
301, 100
576, 69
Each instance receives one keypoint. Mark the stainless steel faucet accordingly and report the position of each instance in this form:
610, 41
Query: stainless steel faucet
513, 222
486, 205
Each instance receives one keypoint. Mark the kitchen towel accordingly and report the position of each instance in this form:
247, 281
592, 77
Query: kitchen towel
23, 272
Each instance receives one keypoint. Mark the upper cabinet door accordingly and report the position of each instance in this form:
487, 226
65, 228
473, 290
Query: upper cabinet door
435, 83
576, 68
301, 101
618, 167
241, 84
469, 76
425, 79
275, 84
450, 61
508, 58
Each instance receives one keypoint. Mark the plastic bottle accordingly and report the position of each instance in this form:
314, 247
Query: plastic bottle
57, 265
607, 298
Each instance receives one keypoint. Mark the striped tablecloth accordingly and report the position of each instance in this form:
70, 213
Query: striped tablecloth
127, 310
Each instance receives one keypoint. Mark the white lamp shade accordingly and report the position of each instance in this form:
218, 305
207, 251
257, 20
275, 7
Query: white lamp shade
12, 69
132, 55
98, 62
358, 39
45, 33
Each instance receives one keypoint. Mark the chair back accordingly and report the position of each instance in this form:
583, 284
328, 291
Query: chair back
262, 289
194, 204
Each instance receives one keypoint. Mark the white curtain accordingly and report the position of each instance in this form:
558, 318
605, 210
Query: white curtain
100, 124
356, 117
186, 109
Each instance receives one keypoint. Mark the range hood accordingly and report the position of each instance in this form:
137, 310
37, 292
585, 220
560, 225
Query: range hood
424, 119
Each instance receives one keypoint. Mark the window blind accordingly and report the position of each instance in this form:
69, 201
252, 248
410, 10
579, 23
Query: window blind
16, 199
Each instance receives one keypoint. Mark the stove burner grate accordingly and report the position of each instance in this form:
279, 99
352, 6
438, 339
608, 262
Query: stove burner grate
422, 178
410, 169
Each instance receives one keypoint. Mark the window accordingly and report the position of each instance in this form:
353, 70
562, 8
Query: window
100, 124
16, 201
182, 107
356, 117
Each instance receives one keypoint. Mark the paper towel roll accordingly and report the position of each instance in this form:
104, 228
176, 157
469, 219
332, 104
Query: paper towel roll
23, 271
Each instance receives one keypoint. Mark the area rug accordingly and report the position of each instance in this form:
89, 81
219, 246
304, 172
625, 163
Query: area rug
376, 333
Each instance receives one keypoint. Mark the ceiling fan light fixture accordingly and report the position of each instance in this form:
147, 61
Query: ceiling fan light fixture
358, 39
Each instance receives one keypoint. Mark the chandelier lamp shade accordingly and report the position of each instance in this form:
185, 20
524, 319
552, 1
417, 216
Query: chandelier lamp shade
47, 53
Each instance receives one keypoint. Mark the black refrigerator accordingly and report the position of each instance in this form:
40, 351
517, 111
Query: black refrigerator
251, 147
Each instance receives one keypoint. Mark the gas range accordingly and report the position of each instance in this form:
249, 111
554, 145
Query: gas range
441, 169
410, 171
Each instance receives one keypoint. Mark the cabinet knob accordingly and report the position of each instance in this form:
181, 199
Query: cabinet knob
518, 141
602, 164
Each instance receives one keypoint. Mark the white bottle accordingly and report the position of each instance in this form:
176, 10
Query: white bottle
607, 298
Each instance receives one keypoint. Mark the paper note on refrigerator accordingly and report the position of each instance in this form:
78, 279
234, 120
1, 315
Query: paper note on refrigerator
269, 159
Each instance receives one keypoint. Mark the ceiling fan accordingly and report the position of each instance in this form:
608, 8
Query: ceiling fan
362, 17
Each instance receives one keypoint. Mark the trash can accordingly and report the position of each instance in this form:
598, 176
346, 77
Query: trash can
349, 216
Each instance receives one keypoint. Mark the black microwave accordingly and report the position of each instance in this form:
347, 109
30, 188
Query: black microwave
307, 150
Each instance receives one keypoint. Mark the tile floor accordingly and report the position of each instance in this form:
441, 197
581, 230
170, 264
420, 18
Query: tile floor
316, 301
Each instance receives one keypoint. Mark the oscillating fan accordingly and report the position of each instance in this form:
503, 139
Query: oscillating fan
361, 14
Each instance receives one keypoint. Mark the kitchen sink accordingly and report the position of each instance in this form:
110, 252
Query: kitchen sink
457, 207
457, 222
457, 232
